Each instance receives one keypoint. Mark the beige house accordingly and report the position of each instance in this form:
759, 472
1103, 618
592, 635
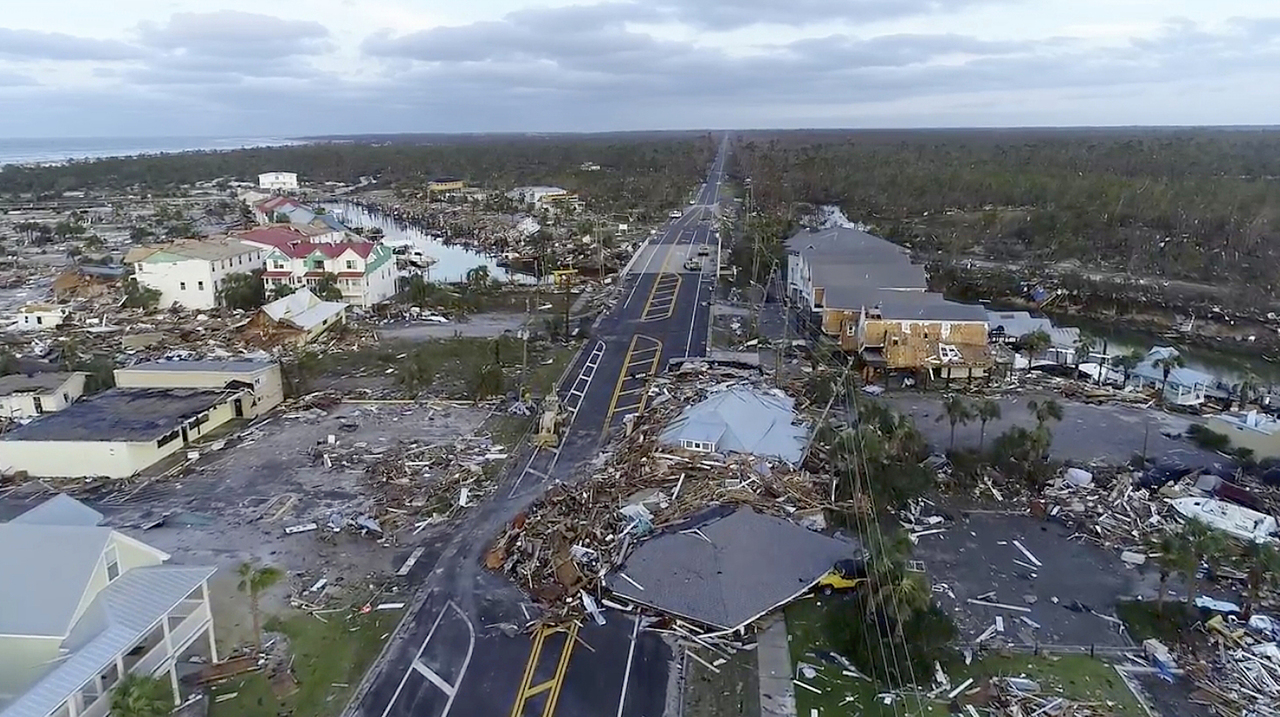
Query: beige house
23, 396
119, 432
294, 319
261, 380
926, 335
85, 605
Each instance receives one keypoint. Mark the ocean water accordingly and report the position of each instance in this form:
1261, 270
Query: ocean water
49, 150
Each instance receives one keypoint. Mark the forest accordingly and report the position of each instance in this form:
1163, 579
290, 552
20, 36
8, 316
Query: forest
636, 168
1200, 205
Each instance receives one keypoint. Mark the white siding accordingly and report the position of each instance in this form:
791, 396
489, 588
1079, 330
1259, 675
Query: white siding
268, 386
194, 283
24, 405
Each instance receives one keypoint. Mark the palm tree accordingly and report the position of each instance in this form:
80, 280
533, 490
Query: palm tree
1248, 387
138, 695
255, 581
1045, 411
1165, 547
1194, 544
1034, 344
987, 410
1084, 345
1262, 568
899, 596
956, 411
1128, 362
1167, 364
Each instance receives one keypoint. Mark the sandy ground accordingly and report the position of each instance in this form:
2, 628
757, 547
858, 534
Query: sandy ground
480, 325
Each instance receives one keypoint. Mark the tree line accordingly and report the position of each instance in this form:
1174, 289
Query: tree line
634, 169
1199, 204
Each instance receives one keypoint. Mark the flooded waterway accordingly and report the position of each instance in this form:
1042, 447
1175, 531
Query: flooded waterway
452, 261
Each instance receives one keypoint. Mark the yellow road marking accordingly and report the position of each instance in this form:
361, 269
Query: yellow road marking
629, 362
662, 299
535, 652
538, 689
563, 667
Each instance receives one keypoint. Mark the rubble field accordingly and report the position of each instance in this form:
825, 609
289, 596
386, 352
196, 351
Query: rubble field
297, 490
1067, 600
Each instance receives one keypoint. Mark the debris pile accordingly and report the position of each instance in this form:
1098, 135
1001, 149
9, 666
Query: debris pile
429, 484
1243, 678
578, 532
1018, 696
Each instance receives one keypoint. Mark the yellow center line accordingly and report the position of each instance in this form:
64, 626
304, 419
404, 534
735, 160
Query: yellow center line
535, 651
629, 364
563, 667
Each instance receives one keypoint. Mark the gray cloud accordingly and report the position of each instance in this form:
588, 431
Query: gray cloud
228, 34
34, 45
731, 14
594, 67
228, 48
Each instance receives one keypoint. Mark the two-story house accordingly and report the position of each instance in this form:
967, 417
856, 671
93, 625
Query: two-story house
85, 605
365, 271
190, 273
321, 226
833, 273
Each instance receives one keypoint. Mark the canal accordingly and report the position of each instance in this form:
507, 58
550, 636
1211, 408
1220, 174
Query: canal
452, 261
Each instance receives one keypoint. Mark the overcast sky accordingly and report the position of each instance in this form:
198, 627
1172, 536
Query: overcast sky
292, 68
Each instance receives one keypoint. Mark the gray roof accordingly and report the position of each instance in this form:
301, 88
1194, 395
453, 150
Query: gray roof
752, 564
46, 569
39, 383
1017, 323
1181, 376
905, 305
120, 615
61, 509
232, 366
303, 309
881, 275
845, 241
120, 414
742, 420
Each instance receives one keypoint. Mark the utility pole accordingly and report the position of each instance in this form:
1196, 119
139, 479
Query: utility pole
524, 358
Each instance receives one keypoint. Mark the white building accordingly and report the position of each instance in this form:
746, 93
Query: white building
190, 273
85, 605
278, 181
23, 396
38, 317
364, 271
157, 410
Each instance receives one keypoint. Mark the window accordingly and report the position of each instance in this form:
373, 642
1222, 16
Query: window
277, 264
65, 397
351, 263
35, 401
39, 319
113, 564
182, 286
200, 285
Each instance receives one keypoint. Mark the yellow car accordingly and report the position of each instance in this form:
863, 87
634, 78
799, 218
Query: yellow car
845, 575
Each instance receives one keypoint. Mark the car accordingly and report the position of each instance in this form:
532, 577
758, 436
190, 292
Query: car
846, 574
693, 264
675, 214
704, 250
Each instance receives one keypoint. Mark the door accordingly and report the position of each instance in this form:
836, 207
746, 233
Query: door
238, 406
185, 438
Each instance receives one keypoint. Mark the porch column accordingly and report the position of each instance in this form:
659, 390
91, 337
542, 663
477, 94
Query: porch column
213, 645
173, 682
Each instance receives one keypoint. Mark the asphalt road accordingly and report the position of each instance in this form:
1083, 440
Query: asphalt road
455, 653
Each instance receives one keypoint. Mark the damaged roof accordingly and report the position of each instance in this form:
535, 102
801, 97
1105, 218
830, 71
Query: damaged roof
40, 383
742, 420
120, 414
748, 565
303, 309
